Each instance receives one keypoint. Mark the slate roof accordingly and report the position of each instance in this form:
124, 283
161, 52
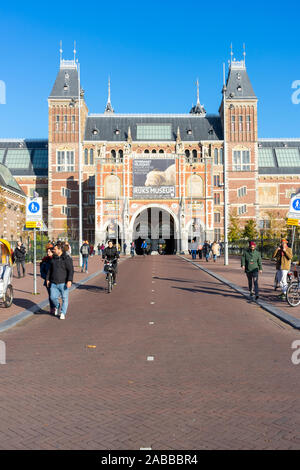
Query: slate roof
202, 128
66, 83
238, 83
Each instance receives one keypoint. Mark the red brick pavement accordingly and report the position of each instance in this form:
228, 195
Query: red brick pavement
23, 288
222, 376
235, 274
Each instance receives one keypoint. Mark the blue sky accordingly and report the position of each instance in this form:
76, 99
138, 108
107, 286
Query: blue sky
153, 52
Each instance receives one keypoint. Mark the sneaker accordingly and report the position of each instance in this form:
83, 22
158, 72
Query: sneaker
115, 283
87, 272
56, 312
62, 316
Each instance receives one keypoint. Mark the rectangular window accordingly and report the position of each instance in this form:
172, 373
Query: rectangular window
86, 156
242, 209
40, 158
217, 234
65, 192
66, 211
57, 123
65, 123
217, 180
241, 123
217, 198
248, 122
91, 199
216, 157
232, 123
73, 124
242, 191
221, 156
91, 181
154, 132
241, 160
91, 157
217, 217
65, 160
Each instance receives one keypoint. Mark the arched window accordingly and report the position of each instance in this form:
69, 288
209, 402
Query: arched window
91, 157
161, 151
112, 187
146, 151
153, 151
120, 155
221, 156
86, 156
194, 186
113, 155
187, 155
216, 157
194, 152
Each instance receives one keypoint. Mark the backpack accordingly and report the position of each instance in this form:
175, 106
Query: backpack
85, 250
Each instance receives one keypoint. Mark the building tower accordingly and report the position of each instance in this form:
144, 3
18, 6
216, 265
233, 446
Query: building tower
240, 141
66, 109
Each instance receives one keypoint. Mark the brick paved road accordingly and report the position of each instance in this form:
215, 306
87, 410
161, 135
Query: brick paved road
221, 378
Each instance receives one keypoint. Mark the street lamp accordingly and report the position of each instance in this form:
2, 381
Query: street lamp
225, 174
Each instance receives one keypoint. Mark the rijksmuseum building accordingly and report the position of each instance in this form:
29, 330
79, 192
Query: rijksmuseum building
154, 176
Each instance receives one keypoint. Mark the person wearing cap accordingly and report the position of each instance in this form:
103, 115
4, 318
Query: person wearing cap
252, 265
283, 255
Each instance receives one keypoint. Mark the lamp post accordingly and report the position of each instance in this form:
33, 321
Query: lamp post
225, 175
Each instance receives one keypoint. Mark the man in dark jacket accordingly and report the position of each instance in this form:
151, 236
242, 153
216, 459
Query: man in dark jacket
60, 277
252, 265
110, 253
19, 255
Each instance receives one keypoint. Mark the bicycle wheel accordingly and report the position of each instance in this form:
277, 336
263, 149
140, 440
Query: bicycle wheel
293, 295
9, 295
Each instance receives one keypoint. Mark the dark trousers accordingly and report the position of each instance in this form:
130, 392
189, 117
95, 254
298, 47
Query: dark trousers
20, 263
253, 280
200, 254
194, 254
52, 305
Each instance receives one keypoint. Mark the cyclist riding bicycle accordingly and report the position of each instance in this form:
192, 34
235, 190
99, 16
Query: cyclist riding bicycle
111, 254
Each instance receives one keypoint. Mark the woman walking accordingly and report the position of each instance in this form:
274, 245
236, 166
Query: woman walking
44, 268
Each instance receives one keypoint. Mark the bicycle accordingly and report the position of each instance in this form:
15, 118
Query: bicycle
109, 268
293, 291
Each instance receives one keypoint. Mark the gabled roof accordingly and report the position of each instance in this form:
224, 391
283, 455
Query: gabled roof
279, 156
193, 128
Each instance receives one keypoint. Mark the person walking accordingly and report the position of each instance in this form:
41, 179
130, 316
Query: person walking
59, 278
124, 247
144, 247
19, 256
99, 248
215, 248
283, 255
200, 250
85, 250
132, 249
194, 247
67, 249
206, 250
44, 268
252, 265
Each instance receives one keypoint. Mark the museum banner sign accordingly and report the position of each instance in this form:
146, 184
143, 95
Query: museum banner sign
154, 178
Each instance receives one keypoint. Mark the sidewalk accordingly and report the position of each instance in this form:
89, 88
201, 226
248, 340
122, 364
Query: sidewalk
25, 301
235, 275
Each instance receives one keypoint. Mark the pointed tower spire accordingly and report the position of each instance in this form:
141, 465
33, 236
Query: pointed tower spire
109, 108
129, 138
198, 109
231, 54
198, 100
244, 54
